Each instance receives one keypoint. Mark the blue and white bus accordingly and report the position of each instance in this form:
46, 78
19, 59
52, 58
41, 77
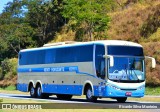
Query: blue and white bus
98, 69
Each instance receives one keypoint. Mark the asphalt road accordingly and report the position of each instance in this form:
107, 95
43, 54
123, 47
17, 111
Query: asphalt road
81, 103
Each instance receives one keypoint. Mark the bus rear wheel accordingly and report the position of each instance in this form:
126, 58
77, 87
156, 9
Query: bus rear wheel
89, 95
121, 99
40, 94
33, 92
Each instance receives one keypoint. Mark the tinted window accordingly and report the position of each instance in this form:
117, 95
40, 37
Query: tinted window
100, 61
50, 56
74, 54
125, 50
58, 55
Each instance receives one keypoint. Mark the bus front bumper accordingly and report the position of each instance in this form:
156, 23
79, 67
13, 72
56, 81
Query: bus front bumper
111, 92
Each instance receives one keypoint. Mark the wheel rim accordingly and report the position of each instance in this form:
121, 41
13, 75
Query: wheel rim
32, 91
89, 94
39, 91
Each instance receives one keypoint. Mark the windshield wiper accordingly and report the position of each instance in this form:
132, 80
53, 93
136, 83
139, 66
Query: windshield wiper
136, 75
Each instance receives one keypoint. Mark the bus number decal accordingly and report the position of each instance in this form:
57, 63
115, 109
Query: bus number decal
57, 69
47, 69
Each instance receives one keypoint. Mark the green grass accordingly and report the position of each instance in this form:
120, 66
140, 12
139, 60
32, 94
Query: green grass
152, 91
9, 88
145, 99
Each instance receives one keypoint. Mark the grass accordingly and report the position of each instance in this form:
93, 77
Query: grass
152, 91
11, 100
145, 99
9, 88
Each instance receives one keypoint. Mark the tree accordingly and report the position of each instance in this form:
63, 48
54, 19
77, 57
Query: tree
28, 23
15, 33
45, 17
89, 14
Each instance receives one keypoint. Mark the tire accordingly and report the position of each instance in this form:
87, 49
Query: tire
33, 92
40, 94
64, 97
121, 99
89, 95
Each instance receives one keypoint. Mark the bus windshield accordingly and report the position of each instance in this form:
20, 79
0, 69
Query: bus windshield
128, 64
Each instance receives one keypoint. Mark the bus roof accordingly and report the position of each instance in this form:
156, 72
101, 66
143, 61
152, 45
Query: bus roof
103, 42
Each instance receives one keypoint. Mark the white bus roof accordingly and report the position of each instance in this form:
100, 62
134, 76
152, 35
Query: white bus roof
104, 42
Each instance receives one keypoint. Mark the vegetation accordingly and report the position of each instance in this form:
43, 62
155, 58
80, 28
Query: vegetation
32, 23
87, 17
152, 91
8, 73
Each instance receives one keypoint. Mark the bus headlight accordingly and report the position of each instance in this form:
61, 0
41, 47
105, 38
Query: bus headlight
111, 86
141, 87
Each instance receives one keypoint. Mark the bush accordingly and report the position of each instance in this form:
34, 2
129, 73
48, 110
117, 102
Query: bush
8, 68
152, 75
155, 37
152, 23
1, 74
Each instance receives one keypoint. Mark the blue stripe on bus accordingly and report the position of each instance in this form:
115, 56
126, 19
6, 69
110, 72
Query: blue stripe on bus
54, 69
62, 89
55, 88
50, 69
22, 87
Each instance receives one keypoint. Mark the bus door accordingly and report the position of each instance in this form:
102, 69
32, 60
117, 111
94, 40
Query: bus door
100, 61
100, 68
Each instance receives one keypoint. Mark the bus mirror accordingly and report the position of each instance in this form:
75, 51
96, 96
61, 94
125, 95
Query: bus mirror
111, 59
153, 61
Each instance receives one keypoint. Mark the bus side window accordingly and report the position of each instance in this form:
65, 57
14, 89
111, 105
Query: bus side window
99, 61
102, 68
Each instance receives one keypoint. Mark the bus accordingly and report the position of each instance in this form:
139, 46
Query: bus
97, 69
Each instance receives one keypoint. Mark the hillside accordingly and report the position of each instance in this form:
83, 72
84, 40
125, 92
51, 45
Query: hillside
131, 20
139, 22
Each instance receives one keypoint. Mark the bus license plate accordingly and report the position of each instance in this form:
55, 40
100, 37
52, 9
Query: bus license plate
128, 93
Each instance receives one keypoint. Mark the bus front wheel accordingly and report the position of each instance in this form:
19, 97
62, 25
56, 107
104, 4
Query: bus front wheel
121, 99
33, 92
89, 95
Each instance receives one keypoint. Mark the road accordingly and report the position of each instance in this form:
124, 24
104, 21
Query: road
82, 103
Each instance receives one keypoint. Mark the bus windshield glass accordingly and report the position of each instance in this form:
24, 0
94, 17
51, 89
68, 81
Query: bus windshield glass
128, 64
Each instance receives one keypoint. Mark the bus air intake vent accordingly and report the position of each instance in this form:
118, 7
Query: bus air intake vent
129, 89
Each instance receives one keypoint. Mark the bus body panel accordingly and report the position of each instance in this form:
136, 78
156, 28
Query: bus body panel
69, 77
